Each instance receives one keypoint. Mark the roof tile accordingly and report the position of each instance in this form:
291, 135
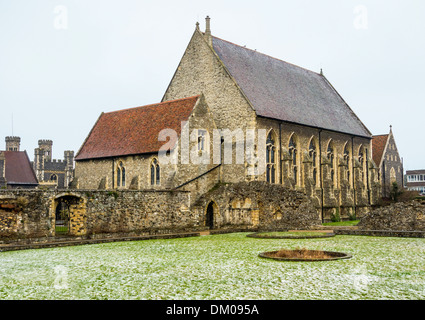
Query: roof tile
378, 147
135, 131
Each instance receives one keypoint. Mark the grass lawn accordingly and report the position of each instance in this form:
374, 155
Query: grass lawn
223, 266
294, 234
342, 223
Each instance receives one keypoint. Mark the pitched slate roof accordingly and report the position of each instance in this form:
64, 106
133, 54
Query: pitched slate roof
135, 131
18, 168
283, 91
378, 147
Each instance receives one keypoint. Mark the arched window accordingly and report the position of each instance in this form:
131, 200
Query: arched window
271, 158
393, 177
120, 175
362, 161
312, 152
155, 172
347, 161
53, 178
330, 154
293, 152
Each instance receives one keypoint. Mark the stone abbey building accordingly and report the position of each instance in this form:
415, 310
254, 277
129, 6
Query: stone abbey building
313, 141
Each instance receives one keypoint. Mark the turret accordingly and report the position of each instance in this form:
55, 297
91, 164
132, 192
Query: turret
13, 143
46, 146
69, 158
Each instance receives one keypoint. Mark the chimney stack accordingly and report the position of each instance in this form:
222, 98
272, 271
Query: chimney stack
208, 30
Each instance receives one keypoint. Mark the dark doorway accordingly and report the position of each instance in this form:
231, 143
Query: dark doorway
209, 221
62, 218
66, 207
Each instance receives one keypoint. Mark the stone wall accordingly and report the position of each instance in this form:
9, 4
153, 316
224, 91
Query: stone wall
32, 213
24, 214
201, 71
405, 216
244, 206
257, 206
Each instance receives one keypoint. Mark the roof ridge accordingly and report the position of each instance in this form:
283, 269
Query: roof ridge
264, 54
380, 135
154, 104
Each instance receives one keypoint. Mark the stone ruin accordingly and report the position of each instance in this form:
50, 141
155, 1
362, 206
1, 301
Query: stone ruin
399, 216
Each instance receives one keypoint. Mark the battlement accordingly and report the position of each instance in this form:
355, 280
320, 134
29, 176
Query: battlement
45, 142
13, 139
13, 143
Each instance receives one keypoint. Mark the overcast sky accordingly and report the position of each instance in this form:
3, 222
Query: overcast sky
62, 63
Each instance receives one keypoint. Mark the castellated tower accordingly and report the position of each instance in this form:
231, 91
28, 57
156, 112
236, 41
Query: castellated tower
13, 143
69, 158
69, 166
46, 146
52, 173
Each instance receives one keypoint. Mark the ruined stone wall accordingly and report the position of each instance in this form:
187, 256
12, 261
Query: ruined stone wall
25, 214
400, 216
257, 205
140, 212
32, 213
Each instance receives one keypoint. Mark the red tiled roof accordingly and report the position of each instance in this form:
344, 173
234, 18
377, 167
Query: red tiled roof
135, 131
378, 147
18, 168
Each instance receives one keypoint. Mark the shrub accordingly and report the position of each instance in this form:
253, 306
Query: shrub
335, 216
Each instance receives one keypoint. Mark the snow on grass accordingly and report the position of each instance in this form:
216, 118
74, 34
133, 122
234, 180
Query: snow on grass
217, 267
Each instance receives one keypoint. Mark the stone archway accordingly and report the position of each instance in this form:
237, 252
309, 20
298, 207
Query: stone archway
210, 214
70, 214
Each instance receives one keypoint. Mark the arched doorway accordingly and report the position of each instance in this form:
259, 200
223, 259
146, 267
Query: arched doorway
61, 218
209, 217
69, 213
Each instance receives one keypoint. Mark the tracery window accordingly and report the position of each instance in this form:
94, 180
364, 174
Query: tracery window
330, 154
362, 162
121, 175
312, 152
293, 152
347, 161
155, 172
270, 158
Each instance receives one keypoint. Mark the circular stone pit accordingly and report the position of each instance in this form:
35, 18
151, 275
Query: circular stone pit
291, 235
304, 255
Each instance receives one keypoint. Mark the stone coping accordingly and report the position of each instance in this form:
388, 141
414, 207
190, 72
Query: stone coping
58, 191
381, 233
260, 235
62, 242
334, 256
